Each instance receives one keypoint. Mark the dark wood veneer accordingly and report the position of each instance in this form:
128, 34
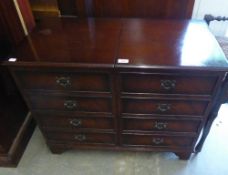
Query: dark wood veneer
82, 138
65, 81
141, 124
156, 140
75, 123
160, 83
165, 106
66, 103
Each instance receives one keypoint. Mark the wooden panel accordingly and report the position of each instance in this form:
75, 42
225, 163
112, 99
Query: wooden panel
159, 124
156, 140
178, 9
82, 138
64, 81
168, 84
166, 106
57, 121
70, 103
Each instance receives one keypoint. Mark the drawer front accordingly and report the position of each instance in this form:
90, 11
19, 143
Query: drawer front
173, 125
168, 84
68, 103
82, 138
73, 81
156, 140
167, 107
63, 122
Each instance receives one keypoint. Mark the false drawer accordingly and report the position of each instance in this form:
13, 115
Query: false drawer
156, 140
166, 106
74, 123
168, 84
64, 81
159, 124
82, 138
70, 103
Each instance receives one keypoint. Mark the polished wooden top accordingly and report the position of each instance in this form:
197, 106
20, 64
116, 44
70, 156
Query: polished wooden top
71, 40
101, 42
175, 43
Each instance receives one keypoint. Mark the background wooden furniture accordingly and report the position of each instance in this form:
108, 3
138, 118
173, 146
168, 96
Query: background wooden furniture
16, 126
174, 9
10, 23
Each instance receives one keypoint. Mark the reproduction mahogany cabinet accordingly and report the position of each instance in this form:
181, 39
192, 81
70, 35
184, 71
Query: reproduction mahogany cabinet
121, 84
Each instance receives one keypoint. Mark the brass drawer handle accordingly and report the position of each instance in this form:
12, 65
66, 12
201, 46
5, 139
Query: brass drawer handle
160, 125
70, 104
168, 84
158, 141
63, 81
164, 107
80, 137
76, 122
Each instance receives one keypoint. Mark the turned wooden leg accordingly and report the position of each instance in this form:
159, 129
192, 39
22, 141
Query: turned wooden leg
183, 155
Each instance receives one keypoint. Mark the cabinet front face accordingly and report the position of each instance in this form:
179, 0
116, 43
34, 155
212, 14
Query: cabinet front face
65, 81
164, 106
82, 138
71, 122
164, 109
147, 124
157, 141
71, 107
70, 103
155, 110
177, 84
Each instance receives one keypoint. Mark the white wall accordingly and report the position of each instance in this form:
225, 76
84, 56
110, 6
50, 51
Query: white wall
216, 8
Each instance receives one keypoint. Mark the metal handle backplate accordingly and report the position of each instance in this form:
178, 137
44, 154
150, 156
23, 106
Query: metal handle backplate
168, 84
80, 137
164, 107
70, 104
158, 141
160, 125
63, 81
76, 122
